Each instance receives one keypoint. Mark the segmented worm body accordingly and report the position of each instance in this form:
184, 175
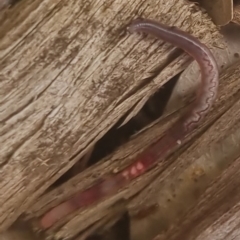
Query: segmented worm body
170, 138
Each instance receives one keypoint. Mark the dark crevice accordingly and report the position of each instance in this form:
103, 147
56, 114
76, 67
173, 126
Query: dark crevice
13, 2
117, 136
8, 3
154, 73
119, 231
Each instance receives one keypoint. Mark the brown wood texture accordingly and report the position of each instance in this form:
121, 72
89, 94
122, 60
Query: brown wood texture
201, 182
69, 71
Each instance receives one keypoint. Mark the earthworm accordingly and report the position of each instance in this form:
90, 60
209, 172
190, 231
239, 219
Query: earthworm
170, 139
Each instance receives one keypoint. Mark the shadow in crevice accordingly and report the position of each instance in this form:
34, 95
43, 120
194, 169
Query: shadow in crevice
119, 231
151, 111
117, 136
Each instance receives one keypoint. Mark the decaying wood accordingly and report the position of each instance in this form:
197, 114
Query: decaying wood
19, 232
236, 12
69, 71
216, 215
228, 95
185, 188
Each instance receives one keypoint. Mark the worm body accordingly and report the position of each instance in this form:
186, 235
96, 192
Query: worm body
171, 138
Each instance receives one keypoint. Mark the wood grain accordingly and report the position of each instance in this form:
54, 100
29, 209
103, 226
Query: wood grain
69, 71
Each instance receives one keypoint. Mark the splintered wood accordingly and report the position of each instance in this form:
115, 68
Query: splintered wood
187, 189
69, 72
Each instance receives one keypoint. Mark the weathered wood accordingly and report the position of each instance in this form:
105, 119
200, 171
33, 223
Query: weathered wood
19, 232
200, 178
69, 71
216, 212
188, 164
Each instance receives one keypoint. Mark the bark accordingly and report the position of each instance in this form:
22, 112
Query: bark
69, 71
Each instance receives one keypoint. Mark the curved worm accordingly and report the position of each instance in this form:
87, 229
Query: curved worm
171, 138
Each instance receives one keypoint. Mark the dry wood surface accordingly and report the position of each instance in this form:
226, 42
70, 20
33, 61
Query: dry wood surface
69, 72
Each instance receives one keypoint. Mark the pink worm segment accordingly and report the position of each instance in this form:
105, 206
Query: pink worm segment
171, 138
